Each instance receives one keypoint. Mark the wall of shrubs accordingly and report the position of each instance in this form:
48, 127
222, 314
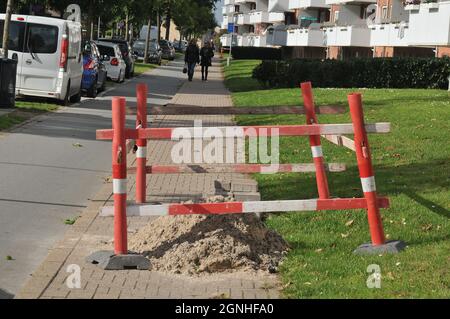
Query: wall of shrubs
361, 73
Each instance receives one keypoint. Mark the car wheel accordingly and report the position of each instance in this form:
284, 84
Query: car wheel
66, 100
104, 83
92, 92
76, 98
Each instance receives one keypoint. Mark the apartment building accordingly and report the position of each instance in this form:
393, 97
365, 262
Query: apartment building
342, 29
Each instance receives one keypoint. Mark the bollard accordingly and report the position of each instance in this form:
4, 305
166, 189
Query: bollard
366, 170
119, 160
141, 153
314, 140
120, 258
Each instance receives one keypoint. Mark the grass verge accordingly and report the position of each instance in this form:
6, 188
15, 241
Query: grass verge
24, 111
411, 165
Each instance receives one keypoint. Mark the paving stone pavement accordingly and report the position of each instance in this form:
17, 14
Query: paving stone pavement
91, 233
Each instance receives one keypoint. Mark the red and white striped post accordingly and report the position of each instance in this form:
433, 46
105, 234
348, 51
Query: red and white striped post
366, 170
314, 140
141, 153
119, 167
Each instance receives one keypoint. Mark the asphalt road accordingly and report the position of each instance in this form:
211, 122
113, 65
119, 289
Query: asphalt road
49, 169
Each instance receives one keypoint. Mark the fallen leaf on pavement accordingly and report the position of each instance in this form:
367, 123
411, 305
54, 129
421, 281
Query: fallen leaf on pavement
77, 145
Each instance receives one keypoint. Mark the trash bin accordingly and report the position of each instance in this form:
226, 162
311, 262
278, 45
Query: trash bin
8, 71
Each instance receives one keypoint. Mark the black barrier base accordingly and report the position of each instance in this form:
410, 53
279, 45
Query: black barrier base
390, 247
107, 260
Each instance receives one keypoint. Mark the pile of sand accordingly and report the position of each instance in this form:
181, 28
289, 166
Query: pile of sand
207, 244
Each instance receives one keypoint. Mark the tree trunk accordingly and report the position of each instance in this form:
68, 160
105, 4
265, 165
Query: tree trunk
147, 40
127, 28
5, 43
158, 22
90, 23
168, 20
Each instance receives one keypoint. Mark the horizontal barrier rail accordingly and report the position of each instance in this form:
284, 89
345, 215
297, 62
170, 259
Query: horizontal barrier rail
247, 207
250, 110
341, 141
237, 168
244, 131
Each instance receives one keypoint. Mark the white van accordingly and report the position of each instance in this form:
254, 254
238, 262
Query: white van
48, 54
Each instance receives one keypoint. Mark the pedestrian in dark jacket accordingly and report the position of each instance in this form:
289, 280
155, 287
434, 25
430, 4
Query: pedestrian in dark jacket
206, 54
192, 57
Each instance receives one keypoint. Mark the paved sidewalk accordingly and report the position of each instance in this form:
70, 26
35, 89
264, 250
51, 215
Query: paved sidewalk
92, 233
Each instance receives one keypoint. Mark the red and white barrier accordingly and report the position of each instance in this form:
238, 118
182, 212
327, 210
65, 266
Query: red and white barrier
119, 134
119, 168
248, 207
244, 131
314, 140
238, 168
141, 152
365, 169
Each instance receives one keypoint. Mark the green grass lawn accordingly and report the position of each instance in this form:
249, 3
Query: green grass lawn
24, 111
140, 68
412, 166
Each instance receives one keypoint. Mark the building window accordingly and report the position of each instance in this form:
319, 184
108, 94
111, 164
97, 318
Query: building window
384, 12
253, 6
336, 16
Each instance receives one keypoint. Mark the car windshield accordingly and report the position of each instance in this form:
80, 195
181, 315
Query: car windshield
139, 45
109, 51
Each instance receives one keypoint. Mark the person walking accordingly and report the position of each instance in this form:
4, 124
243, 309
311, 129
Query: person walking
191, 58
206, 54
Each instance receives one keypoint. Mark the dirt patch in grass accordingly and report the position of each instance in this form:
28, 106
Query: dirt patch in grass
209, 244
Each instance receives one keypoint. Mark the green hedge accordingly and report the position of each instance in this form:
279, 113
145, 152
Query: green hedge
361, 73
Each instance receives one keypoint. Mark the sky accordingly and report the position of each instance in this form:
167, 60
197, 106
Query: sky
219, 11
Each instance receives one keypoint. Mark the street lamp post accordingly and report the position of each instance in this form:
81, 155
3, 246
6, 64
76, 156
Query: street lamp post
231, 41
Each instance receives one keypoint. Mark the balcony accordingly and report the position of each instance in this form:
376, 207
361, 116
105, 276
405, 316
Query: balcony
257, 40
225, 40
303, 4
342, 36
242, 40
243, 19
430, 16
228, 2
228, 10
276, 35
278, 5
305, 37
259, 17
276, 17
391, 34
330, 2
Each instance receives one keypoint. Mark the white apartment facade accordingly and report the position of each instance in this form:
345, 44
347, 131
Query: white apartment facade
342, 28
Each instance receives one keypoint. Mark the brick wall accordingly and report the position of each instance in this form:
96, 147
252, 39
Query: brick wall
384, 52
443, 51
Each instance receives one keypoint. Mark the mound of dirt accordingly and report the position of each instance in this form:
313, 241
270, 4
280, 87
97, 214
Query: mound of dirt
209, 244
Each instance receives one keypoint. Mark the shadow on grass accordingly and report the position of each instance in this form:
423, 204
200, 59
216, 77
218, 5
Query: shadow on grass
409, 179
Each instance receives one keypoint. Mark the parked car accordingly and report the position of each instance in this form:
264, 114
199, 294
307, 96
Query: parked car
95, 73
168, 51
48, 55
127, 54
154, 53
180, 46
113, 60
